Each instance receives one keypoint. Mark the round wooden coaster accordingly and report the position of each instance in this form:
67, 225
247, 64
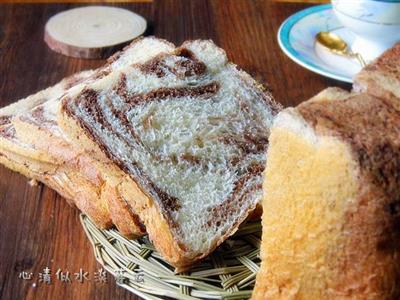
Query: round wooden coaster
92, 31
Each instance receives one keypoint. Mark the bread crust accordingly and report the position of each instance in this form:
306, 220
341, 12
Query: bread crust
127, 223
36, 171
60, 151
66, 181
369, 265
9, 142
381, 78
65, 177
362, 259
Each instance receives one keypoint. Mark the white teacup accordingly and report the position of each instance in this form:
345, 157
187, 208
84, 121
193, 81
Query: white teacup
375, 23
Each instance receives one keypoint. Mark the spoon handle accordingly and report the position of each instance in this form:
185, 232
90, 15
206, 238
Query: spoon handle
359, 57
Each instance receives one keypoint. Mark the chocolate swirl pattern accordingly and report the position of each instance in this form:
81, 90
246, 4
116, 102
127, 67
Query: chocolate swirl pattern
33, 144
191, 130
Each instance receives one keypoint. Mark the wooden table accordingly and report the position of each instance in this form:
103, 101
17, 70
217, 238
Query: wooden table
38, 229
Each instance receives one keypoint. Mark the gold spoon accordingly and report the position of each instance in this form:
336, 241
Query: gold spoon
337, 45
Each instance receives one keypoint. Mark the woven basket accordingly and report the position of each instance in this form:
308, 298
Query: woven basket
228, 273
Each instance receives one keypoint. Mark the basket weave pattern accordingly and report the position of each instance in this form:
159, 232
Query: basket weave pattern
228, 273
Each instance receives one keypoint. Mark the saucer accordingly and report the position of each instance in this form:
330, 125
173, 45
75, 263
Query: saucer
296, 38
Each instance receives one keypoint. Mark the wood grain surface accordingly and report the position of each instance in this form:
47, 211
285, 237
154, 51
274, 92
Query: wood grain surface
37, 227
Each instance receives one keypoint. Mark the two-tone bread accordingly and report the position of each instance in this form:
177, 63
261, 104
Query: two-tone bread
24, 157
33, 161
331, 201
381, 78
39, 127
184, 137
36, 125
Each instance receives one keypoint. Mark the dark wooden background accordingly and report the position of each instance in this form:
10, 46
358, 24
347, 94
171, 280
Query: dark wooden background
37, 227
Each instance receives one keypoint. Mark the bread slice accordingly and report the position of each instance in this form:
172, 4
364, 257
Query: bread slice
34, 163
382, 77
26, 167
10, 143
13, 152
22, 156
38, 110
8, 138
27, 154
183, 136
331, 206
39, 127
38, 170
66, 180
23, 105
35, 120
77, 190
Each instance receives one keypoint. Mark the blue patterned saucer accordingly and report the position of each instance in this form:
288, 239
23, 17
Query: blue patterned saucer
296, 38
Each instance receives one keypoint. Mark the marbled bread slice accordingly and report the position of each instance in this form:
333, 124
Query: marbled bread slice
38, 164
8, 138
39, 127
19, 156
35, 117
331, 202
184, 137
28, 168
74, 188
26, 104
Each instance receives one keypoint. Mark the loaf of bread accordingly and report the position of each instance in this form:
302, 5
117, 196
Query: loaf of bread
331, 206
184, 137
381, 78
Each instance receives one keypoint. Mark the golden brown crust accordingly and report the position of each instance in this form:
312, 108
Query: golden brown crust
378, 154
355, 254
9, 142
127, 223
8, 160
381, 78
20, 164
87, 196
55, 148
68, 182
371, 126
387, 63
73, 168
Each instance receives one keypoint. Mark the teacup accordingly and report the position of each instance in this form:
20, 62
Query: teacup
375, 23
